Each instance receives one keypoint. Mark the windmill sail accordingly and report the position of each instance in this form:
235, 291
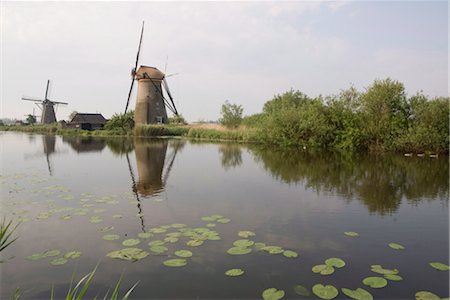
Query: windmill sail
135, 67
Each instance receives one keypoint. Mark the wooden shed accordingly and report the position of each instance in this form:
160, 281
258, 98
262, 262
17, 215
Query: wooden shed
87, 121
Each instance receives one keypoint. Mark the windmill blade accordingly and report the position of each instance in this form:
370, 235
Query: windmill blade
166, 87
135, 67
58, 102
46, 90
172, 74
32, 99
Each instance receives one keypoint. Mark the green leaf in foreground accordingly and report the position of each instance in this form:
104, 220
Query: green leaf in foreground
129, 254
239, 251
396, 246
111, 237
325, 291
272, 294
290, 253
425, 295
375, 282
234, 272
301, 290
358, 294
175, 262
351, 233
131, 242
72, 254
439, 266
58, 261
393, 277
335, 262
183, 253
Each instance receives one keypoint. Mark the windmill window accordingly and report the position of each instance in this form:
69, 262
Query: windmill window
159, 119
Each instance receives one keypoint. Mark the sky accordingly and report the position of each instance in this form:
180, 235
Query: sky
241, 52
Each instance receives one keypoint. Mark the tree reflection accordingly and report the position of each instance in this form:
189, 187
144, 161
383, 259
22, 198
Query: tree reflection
380, 182
230, 155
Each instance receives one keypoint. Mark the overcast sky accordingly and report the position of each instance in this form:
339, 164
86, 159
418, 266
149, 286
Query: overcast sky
244, 52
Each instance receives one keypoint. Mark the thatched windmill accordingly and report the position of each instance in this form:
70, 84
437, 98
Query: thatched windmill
150, 101
46, 106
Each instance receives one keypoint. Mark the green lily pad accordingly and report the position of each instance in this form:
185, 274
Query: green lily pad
273, 249
183, 253
171, 239
234, 272
158, 230
439, 266
243, 243
272, 294
175, 262
51, 253
224, 220
158, 249
301, 290
35, 256
216, 216
95, 219
425, 295
239, 251
323, 269
156, 243
131, 242
145, 235
259, 246
396, 246
380, 270
335, 262
129, 254
351, 233
290, 253
393, 277
208, 219
58, 261
210, 225
325, 291
107, 228
194, 243
358, 294
72, 254
111, 237
375, 282
246, 233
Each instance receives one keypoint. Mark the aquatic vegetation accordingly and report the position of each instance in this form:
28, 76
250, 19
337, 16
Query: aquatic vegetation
396, 246
133, 254
335, 262
58, 261
51, 253
439, 266
223, 220
393, 277
246, 234
6, 232
301, 290
234, 272
273, 249
290, 253
375, 282
95, 219
323, 269
111, 237
156, 243
259, 246
243, 243
183, 253
175, 262
325, 291
144, 235
380, 270
425, 295
159, 249
194, 243
351, 233
239, 250
131, 242
107, 228
358, 294
72, 254
272, 294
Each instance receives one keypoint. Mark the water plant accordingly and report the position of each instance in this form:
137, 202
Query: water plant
272, 294
234, 272
6, 232
358, 294
325, 291
439, 266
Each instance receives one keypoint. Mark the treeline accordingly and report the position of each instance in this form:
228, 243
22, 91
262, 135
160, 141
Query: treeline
382, 118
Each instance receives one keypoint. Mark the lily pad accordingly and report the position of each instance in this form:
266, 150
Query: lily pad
234, 272
145, 235
440, 266
36, 256
246, 233
301, 290
224, 220
58, 261
273, 249
175, 262
243, 243
111, 237
335, 262
425, 295
51, 253
239, 251
375, 282
210, 225
95, 219
131, 242
358, 294
129, 254
194, 243
259, 246
325, 291
183, 253
272, 294
396, 246
323, 269
72, 254
208, 219
290, 253
393, 277
156, 243
158, 249
351, 233
380, 270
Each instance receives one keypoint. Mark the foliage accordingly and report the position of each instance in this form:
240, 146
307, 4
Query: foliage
31, 119
160, 130
123, 122
177, 120
6, 231
231, 115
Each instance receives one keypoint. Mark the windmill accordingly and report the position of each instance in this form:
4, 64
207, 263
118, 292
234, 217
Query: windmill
150, 101
46, 106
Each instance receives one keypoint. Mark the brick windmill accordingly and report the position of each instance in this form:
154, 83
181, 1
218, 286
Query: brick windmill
46, 106
150, 101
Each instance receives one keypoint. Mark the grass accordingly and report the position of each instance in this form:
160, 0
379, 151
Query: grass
6, 231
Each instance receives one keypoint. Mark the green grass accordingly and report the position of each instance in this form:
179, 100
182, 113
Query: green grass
6, 231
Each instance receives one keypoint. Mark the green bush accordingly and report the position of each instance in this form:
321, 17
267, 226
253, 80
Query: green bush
231, 115
121, 122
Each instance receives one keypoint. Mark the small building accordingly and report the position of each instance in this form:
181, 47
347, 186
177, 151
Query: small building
87, 121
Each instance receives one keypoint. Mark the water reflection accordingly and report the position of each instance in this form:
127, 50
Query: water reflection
230, 155
48, 146
85, 144
379, 182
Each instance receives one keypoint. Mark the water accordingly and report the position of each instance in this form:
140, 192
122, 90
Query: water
293, 199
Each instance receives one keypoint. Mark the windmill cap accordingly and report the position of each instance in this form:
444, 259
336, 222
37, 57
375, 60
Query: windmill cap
152, 72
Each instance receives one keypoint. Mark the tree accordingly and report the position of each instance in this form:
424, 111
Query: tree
231, 115
178, 120
31, 119
124, 122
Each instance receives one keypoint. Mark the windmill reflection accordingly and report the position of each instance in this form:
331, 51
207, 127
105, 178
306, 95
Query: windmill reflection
49, 146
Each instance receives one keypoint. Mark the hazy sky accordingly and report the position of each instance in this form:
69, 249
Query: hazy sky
244, 52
